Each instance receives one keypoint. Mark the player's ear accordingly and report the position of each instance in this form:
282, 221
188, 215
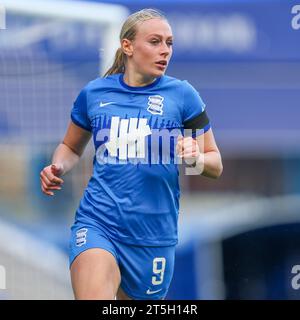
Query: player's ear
127, 47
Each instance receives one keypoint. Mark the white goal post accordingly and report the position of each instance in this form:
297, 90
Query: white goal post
109, 16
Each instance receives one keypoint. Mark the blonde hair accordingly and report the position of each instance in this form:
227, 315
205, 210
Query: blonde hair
128, 31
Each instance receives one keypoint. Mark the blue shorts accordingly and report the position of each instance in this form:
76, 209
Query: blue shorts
146, 272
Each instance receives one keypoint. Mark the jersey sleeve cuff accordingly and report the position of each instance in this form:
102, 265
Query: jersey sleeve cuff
199, 132
80, 124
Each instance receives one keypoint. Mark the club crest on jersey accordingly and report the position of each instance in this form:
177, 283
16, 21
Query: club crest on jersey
81, 237
155, 104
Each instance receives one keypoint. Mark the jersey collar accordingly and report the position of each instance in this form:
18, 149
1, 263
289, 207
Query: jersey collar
126, 86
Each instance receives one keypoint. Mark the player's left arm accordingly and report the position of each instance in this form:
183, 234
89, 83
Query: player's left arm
199, 150
210, 155
202, 153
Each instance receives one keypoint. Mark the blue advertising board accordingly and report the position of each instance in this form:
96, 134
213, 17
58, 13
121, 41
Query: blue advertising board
230, 29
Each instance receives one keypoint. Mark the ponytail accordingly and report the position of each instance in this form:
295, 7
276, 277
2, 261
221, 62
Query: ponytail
118, 65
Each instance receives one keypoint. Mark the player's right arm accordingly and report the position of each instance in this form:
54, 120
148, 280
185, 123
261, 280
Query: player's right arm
64, 158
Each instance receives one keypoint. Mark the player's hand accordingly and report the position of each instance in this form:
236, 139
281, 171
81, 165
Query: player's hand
188, 148
50, 178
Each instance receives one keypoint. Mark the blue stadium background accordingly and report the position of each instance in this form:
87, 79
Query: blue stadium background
243, 56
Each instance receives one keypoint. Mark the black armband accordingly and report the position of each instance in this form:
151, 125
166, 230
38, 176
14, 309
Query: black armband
198, 122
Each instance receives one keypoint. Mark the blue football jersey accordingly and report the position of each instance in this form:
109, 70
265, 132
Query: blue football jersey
134, 189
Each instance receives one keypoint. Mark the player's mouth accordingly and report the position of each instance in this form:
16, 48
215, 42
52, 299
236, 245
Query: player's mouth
162, 64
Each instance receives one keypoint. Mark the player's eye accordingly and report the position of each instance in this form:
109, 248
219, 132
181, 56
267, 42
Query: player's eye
154, 41
170, 43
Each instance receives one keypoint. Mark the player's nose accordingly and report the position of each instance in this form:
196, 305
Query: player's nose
165, 49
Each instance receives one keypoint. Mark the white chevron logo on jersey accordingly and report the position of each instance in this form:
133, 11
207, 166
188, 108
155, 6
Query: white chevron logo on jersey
128, 135
152, 292
103, 104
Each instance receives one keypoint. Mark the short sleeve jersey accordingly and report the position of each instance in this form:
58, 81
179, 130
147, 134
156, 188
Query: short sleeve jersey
134, 190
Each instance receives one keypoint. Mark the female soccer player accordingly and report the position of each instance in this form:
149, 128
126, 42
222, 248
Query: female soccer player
123, 239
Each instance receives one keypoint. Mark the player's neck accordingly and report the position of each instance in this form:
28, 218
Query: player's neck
137, 80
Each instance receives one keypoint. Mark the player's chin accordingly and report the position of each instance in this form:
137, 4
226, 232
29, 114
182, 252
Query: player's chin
158, 73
